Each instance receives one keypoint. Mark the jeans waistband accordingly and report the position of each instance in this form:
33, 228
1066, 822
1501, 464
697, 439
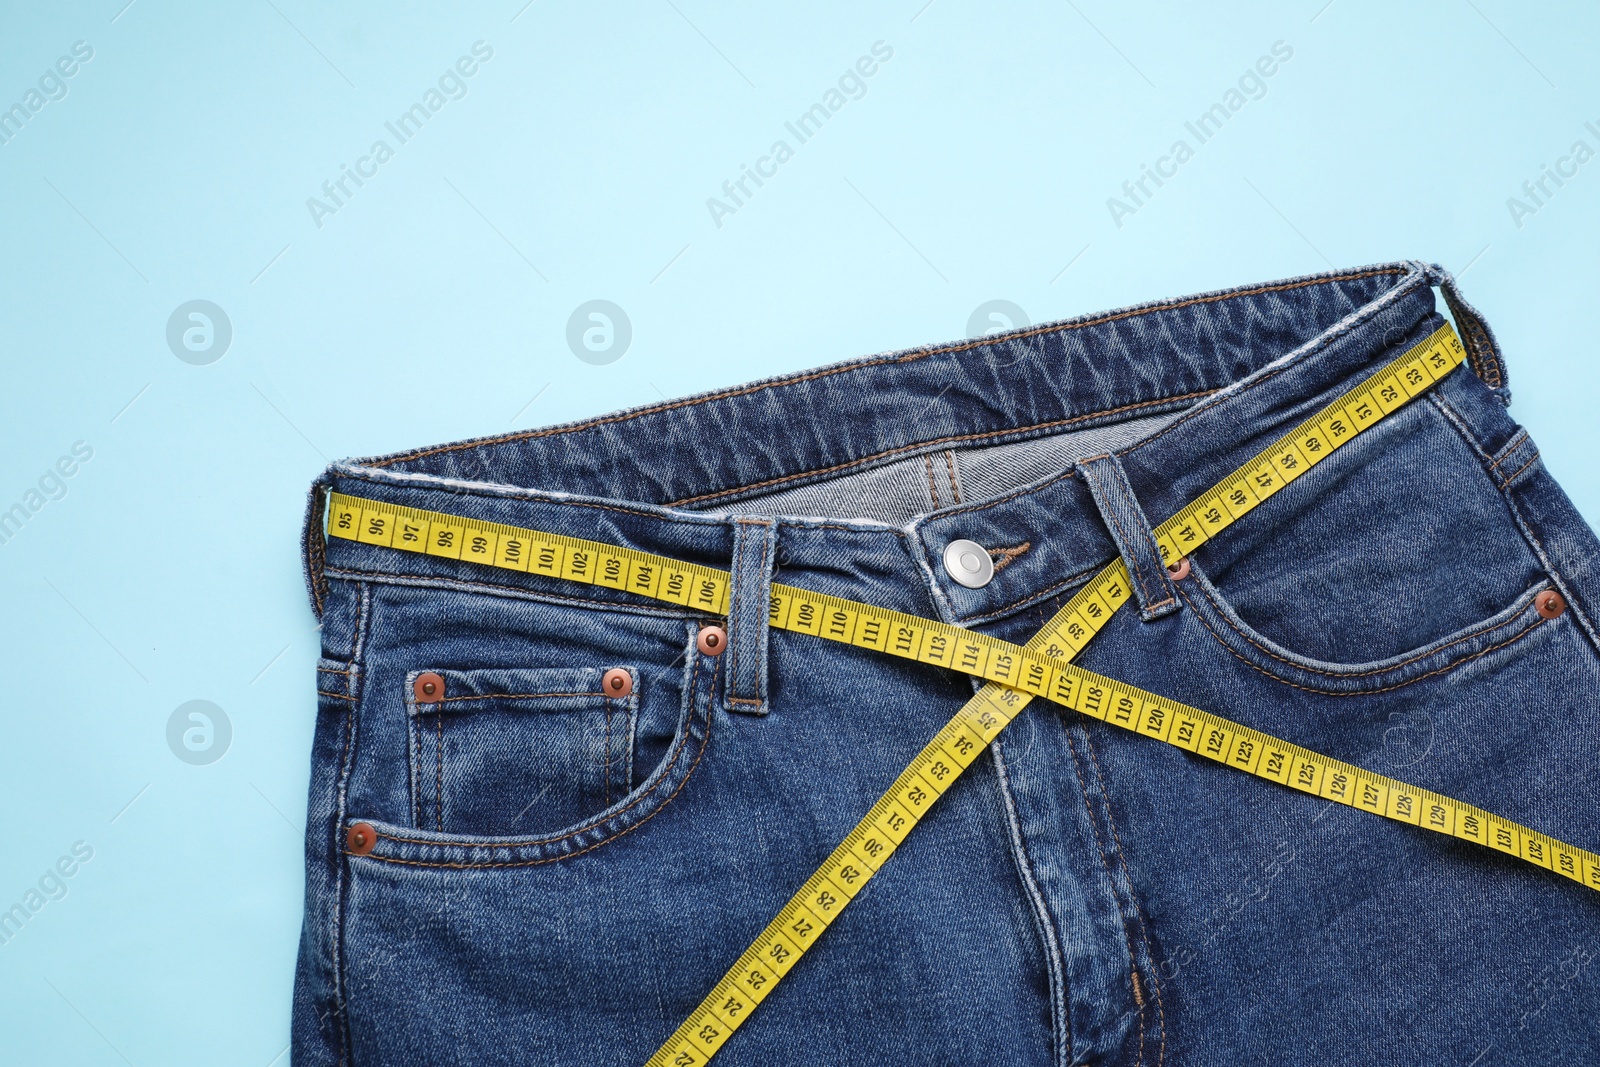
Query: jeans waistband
1229, 370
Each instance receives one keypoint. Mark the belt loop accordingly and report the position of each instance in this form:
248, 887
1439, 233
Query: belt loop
1136, 542
1483, 351
749, 604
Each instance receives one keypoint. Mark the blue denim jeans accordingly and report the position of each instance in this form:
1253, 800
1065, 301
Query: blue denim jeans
561, 874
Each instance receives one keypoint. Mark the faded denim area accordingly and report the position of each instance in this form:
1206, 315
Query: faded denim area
560, 876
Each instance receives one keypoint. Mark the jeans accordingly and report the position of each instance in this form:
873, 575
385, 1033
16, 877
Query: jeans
561, 872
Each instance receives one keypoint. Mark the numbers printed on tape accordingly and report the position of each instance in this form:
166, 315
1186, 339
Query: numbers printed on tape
1016, 675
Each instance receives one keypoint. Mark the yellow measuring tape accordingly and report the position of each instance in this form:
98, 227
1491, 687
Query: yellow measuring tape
1017, 673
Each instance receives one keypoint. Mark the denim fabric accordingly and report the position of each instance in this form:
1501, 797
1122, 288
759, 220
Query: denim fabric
1131, 532
560, 876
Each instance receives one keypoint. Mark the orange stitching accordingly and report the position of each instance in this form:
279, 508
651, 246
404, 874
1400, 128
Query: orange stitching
1005, 557
1199, 409
1483, 357
933, 490
330, 670
340, 796
683, 743
1366, 692
1513, 477
937, 441
1100, 846
1510, 448
908, 358
517, 696
438, 763
1040, 594
1055, 960
524, 589
704, 744
950, 465
743, 700
336, 696
1133, 897
1482, 629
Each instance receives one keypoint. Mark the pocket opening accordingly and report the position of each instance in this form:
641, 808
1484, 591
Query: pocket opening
524, 750
1437, 657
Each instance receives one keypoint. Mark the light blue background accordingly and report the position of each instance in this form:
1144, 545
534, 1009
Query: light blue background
433, 306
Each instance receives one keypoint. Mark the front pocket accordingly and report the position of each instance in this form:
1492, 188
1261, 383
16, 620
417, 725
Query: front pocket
1395, 543
525, 750
1484, 638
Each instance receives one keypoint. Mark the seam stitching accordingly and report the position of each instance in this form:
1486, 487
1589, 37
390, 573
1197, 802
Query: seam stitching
1510, 448
512, 696
704, 744
1008, 432
734, 680
1092, 477
1034, 597
672, 762
1513, 477
692, 520
1471, 634
1133, 897
1530, 628
1142, 571
1172, 305
1061, 1029
413, 760
1100, 847
357, 680
1201, 408
649, 608
1534, 543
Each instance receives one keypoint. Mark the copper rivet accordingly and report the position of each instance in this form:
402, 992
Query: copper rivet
712, 640
616, 683
1179, 570
361, 838
429, 688
1550, 604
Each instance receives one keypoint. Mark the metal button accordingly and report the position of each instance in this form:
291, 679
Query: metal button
428, 688
712, 640
1179, 570
361, 838
1550, 604
968, 563
616, 683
